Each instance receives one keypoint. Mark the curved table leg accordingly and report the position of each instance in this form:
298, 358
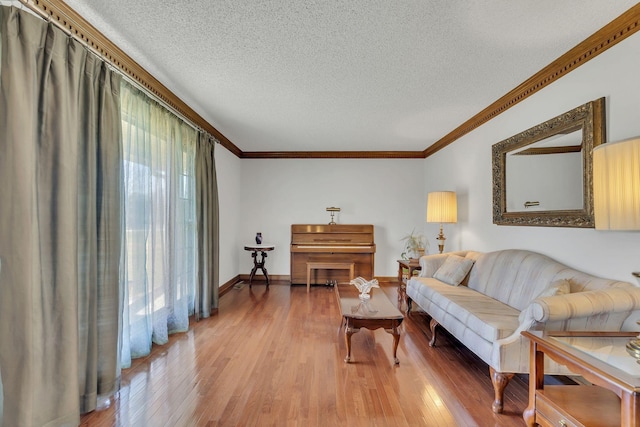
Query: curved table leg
353, 325
395, 331
254, 255
262, 267
258, 264
348, 331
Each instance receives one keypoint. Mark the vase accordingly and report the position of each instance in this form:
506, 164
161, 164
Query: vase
364, 296
259, 238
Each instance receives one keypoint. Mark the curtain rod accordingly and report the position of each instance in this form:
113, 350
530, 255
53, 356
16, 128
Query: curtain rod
44, 16
75, 26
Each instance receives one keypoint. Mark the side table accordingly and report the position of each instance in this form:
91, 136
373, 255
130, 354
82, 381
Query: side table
599, 357
411, 265
259, 263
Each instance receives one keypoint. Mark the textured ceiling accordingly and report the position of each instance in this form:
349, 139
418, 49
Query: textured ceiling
364, 75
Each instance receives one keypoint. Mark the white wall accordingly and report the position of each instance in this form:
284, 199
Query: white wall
276, 193
465, 166
228, 176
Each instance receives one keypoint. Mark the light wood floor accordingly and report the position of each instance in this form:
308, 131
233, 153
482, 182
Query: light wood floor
276, 358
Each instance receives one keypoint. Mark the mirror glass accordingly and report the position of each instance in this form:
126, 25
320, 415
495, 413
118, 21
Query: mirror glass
556, 164
542, 176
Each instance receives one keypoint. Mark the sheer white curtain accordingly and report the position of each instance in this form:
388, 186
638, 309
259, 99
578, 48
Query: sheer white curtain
160, 223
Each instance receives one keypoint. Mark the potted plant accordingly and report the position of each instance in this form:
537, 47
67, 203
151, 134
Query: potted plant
415, 245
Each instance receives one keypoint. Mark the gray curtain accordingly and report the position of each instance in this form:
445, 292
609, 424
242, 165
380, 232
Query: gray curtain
60, 223
208, 227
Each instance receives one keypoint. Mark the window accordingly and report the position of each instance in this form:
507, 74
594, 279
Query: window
160, 223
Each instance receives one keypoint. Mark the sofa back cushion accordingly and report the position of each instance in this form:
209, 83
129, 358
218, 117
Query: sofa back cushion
513, 276
582, 282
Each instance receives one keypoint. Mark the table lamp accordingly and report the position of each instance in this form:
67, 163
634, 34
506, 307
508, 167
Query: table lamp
616, 186
333, 211
616, 195
442, 207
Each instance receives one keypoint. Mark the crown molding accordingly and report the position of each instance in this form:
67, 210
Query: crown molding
332, 155
74, 24
608, 36
617, 30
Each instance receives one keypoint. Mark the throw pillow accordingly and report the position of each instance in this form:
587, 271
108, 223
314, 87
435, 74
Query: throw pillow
559, 287
454, 269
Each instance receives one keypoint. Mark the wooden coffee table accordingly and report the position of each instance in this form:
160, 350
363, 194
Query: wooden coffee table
377, 312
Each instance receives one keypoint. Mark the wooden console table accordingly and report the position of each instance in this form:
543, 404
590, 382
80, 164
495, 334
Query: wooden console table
599, 357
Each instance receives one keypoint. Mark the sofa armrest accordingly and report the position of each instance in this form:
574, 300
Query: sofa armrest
598, 310
586, 304
429, 264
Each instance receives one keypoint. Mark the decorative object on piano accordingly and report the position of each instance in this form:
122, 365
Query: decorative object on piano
258, 238
364, 286
442, 207
333, 210
415, 245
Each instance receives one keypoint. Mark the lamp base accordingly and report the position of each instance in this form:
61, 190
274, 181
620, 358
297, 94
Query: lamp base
332, 222
441, 240
633, 348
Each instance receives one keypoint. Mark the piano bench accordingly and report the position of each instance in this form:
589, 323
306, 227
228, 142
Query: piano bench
329, 266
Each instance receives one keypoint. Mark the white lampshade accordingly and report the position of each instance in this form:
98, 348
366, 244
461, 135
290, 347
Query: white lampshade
616, 185
442, 206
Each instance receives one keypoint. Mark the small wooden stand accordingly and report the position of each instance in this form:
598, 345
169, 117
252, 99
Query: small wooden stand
259, 264
329, 266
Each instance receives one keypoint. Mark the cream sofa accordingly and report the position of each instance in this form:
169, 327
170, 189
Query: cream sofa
509, 291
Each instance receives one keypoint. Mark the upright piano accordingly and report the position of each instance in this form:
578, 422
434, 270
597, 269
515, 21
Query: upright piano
331, 243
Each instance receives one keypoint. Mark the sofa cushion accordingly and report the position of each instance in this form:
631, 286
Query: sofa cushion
485, 316
454, 269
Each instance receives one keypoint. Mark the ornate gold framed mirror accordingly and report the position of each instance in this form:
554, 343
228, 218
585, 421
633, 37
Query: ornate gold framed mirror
543, 176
